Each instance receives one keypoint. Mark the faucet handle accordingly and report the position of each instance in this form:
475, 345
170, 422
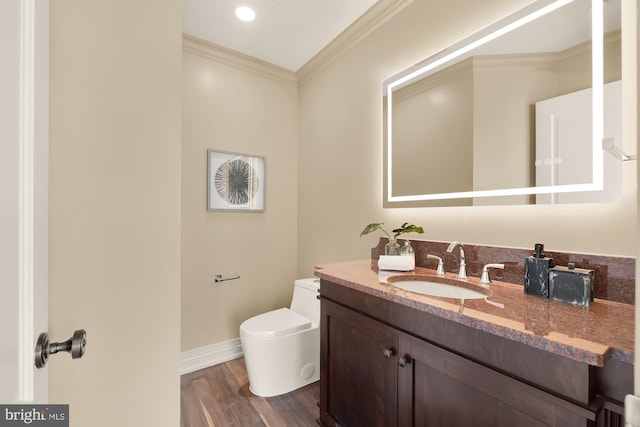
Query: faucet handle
485, 280
440, 271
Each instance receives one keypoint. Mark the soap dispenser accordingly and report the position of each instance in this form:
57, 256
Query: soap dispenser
407, 249
536, 273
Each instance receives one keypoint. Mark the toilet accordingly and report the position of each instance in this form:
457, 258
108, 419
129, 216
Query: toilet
282, 347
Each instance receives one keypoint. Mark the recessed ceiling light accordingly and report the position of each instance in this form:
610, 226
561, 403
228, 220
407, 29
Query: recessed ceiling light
245, 13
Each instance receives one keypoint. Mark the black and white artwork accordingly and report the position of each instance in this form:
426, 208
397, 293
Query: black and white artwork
235, 181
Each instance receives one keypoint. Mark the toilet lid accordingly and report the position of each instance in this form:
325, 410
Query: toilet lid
274, 323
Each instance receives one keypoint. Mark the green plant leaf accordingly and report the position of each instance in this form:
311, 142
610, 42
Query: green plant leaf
371, 228
407, 228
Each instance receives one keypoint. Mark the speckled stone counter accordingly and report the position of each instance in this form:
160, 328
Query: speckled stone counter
591, 334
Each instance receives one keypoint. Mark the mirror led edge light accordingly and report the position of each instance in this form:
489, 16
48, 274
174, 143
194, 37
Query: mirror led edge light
597, 84
597, 77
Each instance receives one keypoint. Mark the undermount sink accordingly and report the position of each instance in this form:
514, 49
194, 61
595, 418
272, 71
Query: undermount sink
437, 287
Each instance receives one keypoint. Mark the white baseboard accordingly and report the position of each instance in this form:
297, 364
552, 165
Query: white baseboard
210, 355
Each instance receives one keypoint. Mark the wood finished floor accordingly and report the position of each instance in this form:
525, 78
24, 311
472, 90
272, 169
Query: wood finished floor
219, 396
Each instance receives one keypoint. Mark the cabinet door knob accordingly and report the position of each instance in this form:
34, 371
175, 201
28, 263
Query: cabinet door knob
388, 352
404, 361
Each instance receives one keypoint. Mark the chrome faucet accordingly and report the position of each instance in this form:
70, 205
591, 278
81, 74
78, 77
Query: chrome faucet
462, 273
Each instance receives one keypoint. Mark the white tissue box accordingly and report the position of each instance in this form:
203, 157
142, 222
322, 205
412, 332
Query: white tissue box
397, 262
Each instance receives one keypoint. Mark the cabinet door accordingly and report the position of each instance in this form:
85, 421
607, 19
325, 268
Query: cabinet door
357, 369
440, 388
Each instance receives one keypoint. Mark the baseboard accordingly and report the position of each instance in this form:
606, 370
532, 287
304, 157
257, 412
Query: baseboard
210, 355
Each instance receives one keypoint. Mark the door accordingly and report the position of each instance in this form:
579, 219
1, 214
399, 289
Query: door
23, 196
564, 145
358, 369
439, 388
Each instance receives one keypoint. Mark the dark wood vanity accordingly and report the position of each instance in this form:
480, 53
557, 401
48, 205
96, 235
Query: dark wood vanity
394, 358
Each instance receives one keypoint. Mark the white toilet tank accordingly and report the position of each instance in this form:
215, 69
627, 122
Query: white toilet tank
305, 299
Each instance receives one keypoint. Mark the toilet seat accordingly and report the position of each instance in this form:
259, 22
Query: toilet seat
274, 324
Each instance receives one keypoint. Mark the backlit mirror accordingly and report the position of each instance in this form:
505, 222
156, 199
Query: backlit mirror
514, 114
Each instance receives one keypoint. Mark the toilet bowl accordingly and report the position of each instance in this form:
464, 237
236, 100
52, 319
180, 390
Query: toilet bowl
282, 347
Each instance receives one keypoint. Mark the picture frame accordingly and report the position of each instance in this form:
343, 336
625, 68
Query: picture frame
235, 181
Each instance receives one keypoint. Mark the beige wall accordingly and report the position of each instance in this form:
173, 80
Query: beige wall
115, 209
237, 104
340, 177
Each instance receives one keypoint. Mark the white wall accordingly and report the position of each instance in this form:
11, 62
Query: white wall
115, 209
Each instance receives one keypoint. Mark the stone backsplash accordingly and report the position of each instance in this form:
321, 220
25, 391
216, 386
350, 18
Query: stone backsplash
614, 276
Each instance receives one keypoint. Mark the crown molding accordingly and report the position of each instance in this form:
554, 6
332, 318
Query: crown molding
205, 49
377, 15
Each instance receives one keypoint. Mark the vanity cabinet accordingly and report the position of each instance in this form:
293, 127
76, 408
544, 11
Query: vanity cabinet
384, 364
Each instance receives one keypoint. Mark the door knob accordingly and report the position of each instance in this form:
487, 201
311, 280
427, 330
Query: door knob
75, 345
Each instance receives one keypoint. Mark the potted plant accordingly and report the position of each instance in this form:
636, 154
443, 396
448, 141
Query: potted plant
392, 248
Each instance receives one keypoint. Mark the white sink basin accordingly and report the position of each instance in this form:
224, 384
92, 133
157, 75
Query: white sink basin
443, 290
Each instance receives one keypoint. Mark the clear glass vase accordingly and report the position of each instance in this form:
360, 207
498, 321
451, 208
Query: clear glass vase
392, 248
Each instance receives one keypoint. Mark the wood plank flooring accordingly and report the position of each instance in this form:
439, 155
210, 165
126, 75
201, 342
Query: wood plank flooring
219, 396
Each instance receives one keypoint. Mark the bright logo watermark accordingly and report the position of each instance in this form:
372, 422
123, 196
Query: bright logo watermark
34, 415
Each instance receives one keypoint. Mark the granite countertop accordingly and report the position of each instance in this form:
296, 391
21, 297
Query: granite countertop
603, 330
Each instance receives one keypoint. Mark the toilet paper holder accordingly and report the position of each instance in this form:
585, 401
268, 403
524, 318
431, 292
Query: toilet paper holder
224, 277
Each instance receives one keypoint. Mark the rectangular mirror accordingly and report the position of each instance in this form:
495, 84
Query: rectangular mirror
513, 114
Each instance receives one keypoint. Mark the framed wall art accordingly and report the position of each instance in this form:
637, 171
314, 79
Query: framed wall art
235, 181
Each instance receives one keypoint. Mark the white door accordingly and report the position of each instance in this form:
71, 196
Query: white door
24, 28
564, 145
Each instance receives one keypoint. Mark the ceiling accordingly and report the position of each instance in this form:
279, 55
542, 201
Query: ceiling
287, 33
